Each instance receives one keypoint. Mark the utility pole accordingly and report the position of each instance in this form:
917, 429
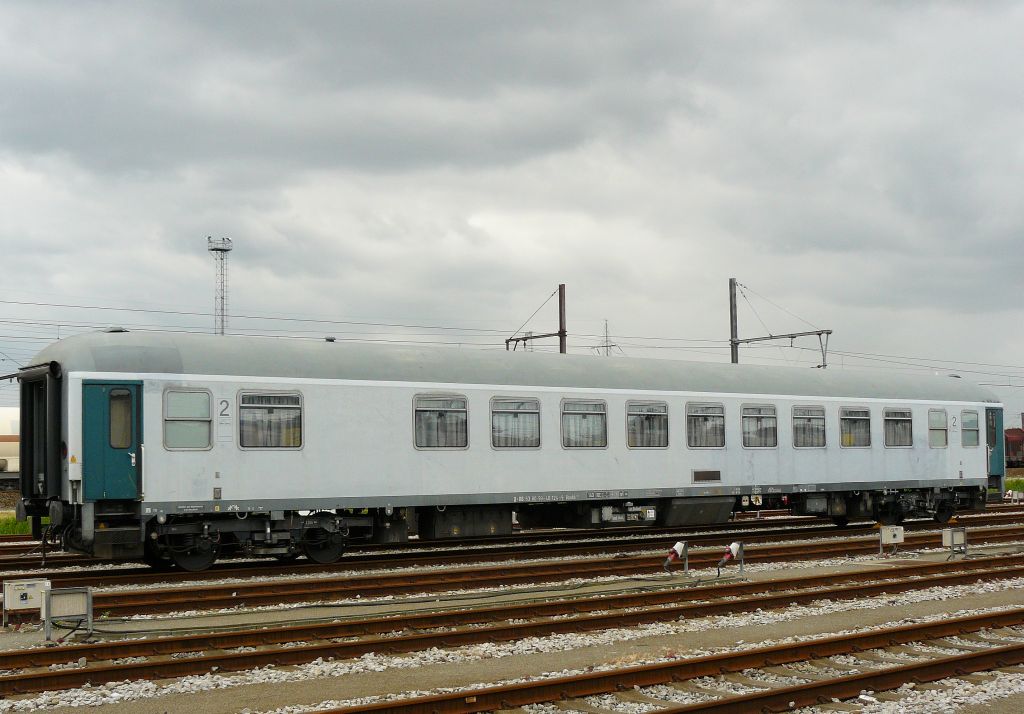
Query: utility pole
735, 342
561, 334
561, 318
219, 249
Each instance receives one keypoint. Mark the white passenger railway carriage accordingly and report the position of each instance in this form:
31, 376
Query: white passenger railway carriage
180, 447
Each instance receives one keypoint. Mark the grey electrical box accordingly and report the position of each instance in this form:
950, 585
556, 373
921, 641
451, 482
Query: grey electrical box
66, 605
891, 535
23, 595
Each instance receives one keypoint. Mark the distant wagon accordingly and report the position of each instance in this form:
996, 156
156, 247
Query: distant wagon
1015, 448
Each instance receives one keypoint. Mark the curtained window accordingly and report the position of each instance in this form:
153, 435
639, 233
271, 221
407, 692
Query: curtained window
646, 425
441, 423
186, 419
970, 434
809, 427
899, 427
270, 421
515, 423
760, 427
584, 425
705, 426
854, 427
938, 438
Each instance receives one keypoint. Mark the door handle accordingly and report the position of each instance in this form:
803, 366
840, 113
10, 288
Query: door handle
132, 455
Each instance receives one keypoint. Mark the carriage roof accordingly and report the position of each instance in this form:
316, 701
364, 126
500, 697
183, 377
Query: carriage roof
195, 354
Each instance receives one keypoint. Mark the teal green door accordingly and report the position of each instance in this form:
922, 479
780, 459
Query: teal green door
994, 438
111, 437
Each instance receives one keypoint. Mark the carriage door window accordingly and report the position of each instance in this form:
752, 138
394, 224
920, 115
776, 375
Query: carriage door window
990, 427
937, 436
120, 418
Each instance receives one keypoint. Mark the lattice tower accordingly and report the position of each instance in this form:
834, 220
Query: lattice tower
219, 249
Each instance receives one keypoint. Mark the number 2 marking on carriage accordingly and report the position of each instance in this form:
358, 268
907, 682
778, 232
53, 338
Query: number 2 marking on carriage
225, 428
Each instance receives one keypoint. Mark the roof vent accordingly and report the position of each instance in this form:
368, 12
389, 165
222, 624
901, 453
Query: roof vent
330, 339
115, 329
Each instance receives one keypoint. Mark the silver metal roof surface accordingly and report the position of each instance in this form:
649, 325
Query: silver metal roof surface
174, 353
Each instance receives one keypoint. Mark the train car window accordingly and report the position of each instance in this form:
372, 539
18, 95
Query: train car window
646, 425
705, 426
584, 425
120, 418
187, 419
809, 427
899, 427
441, 422
938, 437
854, 427
515, 423
970, 432
270, 420
760, 427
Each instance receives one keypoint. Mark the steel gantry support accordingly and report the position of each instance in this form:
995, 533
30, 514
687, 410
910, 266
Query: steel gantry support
735, 341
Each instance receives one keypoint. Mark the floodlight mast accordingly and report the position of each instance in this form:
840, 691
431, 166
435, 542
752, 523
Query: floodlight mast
219, 249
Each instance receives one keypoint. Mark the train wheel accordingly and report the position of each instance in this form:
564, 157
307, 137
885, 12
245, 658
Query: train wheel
322, 546
154, 559
193, 554
944, 511
891, 516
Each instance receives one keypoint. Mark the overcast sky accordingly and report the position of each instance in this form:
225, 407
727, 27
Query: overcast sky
448, 164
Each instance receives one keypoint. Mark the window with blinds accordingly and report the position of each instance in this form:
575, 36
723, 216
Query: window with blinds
441, 422
809, 427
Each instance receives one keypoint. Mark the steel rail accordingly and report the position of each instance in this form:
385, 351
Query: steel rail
272, 592
661, 605
22, 544
435, 553
603, 682
821, 691
654, 610
448, 557
438, 552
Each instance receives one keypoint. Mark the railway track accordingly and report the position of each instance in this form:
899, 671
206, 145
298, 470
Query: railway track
426, 555
13, 546
22, 545
819, 690
344, 638
211, 596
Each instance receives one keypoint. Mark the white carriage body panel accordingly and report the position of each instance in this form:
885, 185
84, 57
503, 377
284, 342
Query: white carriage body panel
358, 449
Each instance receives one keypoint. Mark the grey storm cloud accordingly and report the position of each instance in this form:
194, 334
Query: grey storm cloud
451, 162
380, 86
